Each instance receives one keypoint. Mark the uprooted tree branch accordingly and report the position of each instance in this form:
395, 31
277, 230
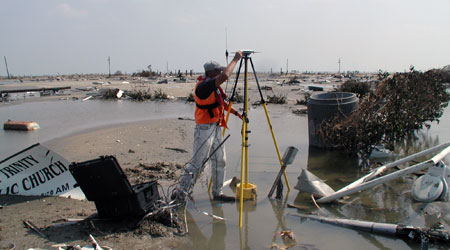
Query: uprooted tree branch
399, 106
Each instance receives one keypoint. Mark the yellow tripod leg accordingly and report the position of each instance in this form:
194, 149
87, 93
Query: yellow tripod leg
223, 134
276, 146
243, 163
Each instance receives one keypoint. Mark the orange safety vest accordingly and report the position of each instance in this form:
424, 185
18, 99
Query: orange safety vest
211, 109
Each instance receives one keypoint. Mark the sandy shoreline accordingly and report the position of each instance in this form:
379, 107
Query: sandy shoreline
132, 142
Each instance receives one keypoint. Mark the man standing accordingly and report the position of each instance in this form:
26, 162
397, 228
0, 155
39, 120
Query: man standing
209, 118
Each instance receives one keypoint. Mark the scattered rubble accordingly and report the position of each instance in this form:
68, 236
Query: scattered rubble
277, 99
139, 94
145, 172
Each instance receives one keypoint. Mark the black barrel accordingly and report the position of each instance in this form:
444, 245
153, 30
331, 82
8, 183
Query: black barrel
324, 106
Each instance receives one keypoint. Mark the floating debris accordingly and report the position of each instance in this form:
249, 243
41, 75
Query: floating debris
87, 98
380, 151
315, 88
20, 125
300, 111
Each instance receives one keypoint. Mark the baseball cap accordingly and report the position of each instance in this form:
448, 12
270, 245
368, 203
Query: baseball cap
212, 65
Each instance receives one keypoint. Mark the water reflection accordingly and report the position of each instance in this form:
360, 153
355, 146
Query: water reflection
219, 228
198, 240
279, 207
338, 169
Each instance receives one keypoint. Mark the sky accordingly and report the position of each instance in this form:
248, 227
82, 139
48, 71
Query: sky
71, 37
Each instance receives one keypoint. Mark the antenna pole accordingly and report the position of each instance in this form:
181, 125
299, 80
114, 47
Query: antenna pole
226, 45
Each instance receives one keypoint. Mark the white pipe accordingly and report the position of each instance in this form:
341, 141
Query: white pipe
386, 178
439, 157
376, 172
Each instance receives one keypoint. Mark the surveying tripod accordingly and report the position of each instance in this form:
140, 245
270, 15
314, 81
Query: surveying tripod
245, 131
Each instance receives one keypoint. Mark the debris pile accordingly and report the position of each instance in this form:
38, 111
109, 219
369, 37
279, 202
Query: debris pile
160, 95
238, 98
399, 106
306, 97
112, 94
144, 172
139, 94
144, 95
190, 97
277, 99
161, 224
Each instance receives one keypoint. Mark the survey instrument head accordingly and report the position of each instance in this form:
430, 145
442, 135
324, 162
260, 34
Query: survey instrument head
247, 52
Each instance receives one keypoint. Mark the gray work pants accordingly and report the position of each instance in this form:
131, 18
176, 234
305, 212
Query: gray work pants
207, 137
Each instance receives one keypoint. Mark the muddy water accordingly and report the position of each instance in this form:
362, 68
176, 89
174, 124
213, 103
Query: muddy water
263, 219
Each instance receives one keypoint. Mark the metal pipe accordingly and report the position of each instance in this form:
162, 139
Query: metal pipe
288, 158
366, 226
407, 232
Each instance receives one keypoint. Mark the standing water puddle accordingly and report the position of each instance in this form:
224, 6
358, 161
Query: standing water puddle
263, 219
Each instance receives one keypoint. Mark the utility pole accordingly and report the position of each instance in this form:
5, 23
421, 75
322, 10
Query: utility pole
7, 71
287, 66
109, 66
339, 62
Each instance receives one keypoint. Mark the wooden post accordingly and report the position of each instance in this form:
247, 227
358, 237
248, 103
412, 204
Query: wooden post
109, 66
7, 71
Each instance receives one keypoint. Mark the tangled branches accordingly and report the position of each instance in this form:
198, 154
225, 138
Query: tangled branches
361, 89
399, 106
277, 99
143, 95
